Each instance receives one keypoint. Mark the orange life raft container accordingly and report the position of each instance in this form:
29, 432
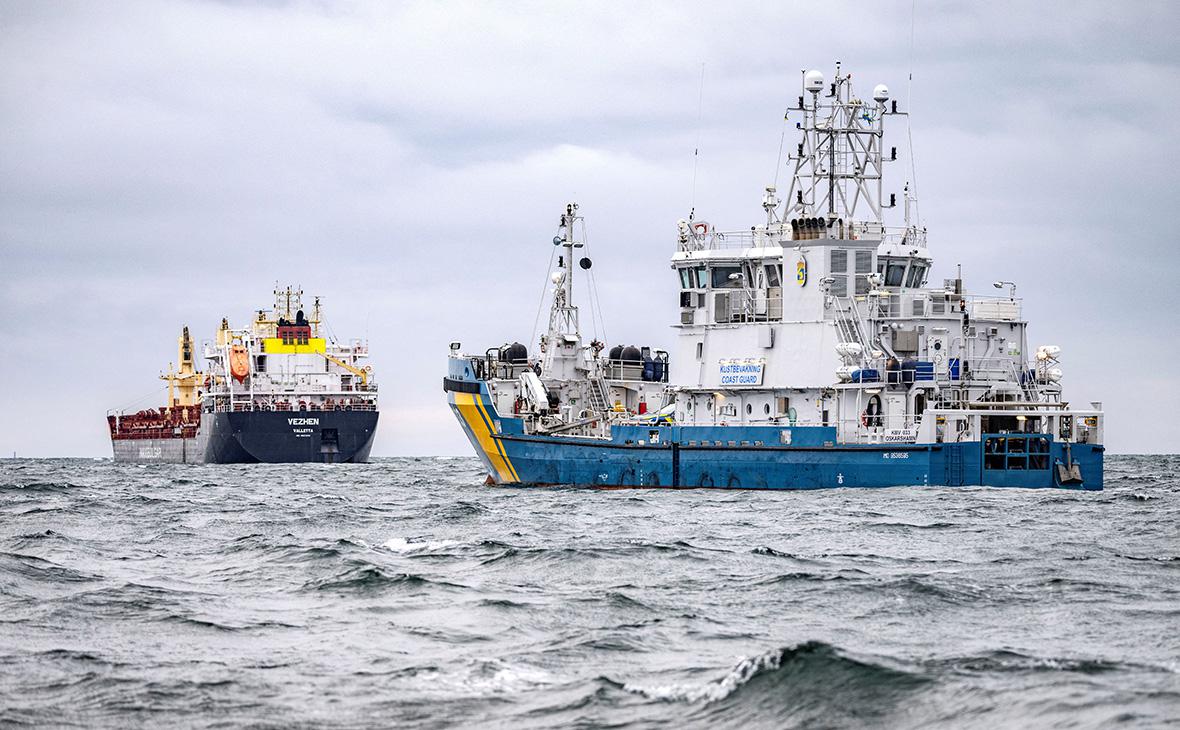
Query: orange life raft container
239, 362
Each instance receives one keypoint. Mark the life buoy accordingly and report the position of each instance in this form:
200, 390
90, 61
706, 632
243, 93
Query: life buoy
700, 229
864, 418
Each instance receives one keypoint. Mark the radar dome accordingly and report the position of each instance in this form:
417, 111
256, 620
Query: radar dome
813, 81
881, 93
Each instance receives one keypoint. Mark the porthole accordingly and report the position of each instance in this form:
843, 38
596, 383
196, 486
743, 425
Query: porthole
749, 409
766, 408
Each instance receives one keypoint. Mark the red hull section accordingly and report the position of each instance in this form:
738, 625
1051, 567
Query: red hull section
166, 423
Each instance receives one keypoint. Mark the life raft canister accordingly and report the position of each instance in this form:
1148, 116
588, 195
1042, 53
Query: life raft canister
239, 362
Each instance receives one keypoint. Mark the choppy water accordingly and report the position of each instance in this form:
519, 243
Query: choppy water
405, 593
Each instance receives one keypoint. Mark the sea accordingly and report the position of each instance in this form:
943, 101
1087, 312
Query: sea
407, 593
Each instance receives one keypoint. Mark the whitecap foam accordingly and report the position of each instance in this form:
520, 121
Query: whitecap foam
402, 545
715, 690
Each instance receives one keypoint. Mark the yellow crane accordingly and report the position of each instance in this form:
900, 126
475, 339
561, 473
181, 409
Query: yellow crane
361, 372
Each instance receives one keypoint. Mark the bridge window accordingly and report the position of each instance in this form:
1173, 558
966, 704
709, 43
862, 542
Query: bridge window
727, 277
773, 277
917, 276
894, 274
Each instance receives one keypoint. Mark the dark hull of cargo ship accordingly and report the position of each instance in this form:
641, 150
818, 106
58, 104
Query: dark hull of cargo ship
283, 437
270, 437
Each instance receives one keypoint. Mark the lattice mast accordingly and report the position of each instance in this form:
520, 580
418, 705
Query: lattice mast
839, 164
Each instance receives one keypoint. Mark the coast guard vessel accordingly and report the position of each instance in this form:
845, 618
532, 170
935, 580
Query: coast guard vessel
275, 391
813, 350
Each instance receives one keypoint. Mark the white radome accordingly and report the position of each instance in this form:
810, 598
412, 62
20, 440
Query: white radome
881, 93
813, 81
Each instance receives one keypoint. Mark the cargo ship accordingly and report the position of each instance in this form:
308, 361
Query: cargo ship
277, 391
813, 351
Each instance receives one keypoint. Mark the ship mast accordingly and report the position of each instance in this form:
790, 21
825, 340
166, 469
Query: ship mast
564, 335
839, 165
563, 314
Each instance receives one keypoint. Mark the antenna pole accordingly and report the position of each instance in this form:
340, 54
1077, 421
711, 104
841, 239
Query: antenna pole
696, 152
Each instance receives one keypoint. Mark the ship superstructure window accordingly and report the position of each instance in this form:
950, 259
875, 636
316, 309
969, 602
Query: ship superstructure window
727, 277
773, 277
894, 274
687, 279
916, 277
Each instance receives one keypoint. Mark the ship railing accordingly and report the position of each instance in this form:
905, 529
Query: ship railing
652, 370
902, 236
781, 235
747, 305
259, 404
714, 240
880, 428
950, 371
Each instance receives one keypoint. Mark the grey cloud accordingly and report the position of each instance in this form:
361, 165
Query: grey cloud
164, 164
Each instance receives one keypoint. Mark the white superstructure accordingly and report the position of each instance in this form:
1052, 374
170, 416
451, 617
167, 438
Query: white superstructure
283, 361
821, 314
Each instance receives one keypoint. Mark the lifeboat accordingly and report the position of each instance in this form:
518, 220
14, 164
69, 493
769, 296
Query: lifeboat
239, 362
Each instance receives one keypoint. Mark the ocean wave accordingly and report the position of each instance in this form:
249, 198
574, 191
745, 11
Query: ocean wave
368, 578
813, 678
31, 567
39, 486
1012, 661
802, 576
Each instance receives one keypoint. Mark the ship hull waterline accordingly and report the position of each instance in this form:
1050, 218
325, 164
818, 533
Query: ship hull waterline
741, 457
272, 437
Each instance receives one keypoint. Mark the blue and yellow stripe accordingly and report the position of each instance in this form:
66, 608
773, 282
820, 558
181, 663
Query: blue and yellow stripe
474, 415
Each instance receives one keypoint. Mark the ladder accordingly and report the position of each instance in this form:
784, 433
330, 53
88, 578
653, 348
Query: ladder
848, 323
598, 397
954, 465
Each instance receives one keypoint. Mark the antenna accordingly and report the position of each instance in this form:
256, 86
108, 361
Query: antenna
696, 152
909, 132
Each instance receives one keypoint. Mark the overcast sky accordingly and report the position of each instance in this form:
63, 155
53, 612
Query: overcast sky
166, 163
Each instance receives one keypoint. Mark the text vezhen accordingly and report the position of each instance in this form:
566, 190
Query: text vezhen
303, 421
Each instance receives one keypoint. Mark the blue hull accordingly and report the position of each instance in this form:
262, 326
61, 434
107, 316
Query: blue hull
753, 457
